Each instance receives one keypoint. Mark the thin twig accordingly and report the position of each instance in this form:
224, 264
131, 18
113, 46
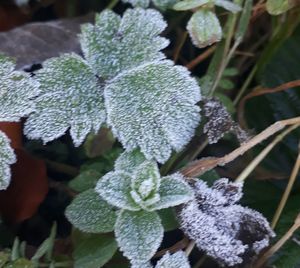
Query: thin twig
279, 243
255, 162
179, 46
190, 247
287, 191
183, 243
203, 56
201, 166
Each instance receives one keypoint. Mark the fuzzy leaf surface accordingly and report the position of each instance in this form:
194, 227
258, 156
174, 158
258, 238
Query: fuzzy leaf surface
129, 161
153, 107
138, 234
90, 213
173, 191
70, 98
116, 44
176, 260
115, 187
7, 157
138, 3
17, 91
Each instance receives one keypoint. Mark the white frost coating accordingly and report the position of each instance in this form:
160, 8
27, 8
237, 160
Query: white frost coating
229, 233
129, 161
90, 213
204, 28
138, 234
17, 91
70, 97
153, 107
138, 3
7, 157
176, 260
117, 44
143, 188
115, 187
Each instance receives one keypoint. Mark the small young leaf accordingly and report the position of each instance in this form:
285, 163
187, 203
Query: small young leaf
129, 161
204, 28
70, 98
17, 91
139, 234
153, 107
117, 44
138, 3
190, 4
90, 213
7, 157
228, 5
115, 187
277, 7
176, 260
85, 180
173, 191
94, 251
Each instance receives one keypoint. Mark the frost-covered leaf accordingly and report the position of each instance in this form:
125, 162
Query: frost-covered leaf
7, 157
90, 213
228, 5
117, 44
164, 4
153, 107
173, 191
94, 251
138, 234
115, 187
17, 91
70, 98
204, 28
176, 260
145, 182
190, 4
129, 161
138, 3
229, 233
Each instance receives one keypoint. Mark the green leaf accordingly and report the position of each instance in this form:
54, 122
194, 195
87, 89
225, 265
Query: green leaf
173, 191
94, 251
4, 258
176, 260
228, 5
168, 219
129, 161
21, 263
17, 91
115, 187
277, 7
85, 180
190, 4
146, 180
164, 4
117, 44
153, 107
70, 98
7, 157
90, 213
204, 28
138, 3
138, 234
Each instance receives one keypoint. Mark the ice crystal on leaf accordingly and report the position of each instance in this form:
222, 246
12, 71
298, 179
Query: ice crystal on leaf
162, 4
153, 107
70, 97
228, 232
176, 260
138, 3
139, 234
90, 213
7, 157
17, 91
143, 188
129, 161
116, 44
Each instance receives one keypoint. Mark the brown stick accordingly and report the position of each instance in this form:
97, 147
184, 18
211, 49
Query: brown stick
201, 166
192, 64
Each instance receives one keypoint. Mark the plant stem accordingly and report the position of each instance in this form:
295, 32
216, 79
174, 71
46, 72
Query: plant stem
179, 46
279, 243
287, 191
112, 4
255, 162
190, 247
192, 64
